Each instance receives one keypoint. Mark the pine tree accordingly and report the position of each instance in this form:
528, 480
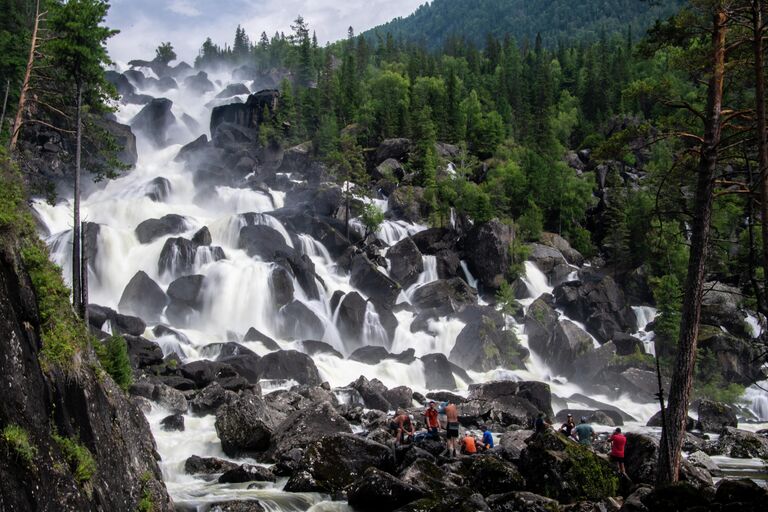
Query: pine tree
79, 51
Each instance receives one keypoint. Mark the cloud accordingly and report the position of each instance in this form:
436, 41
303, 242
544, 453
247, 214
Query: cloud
144, 24
183, 7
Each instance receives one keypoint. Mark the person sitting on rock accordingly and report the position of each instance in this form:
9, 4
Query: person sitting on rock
568, 426
487, 437
618, 442
452, 428
468, 444
584, 433
405, 430
433, 425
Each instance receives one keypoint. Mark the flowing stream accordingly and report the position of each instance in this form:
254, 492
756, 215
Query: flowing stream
237, 296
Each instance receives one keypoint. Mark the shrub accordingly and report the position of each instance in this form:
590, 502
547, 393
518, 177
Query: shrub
79, 458
113, 355
17, 439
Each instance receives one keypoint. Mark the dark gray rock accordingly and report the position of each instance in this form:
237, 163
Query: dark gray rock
173, 422
210, 399
242, 428
207, 465
305, 426
255, 335
233, 90
247, 473
444, 295
407, 203
198, 83
351, 318
152, 229
298, 322
741, 444
714, 416
334, 462
289, 364
313, 347
158, 189
143, 297
377, 491
486, 250
369, 280
484, 345
406, 262
186, 291
281, 285
437, 372
155, 120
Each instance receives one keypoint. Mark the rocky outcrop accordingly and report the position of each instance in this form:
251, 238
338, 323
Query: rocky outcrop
487, 251
444, 295
598, 302
152, 229
377, 491
371, 281
289, 364
484, 345
305, 426
41, 411
155, 120
249, 114
406, 263
143, 297
334, 462
242, 428
715, 416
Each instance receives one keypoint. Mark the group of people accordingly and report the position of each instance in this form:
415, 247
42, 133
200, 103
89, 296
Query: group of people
405, 431
583, 433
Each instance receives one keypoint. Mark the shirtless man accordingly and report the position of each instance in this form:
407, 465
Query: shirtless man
452, 428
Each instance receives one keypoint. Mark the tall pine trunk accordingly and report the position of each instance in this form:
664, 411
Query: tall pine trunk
77, 255
758, 32
16, 128
682, 378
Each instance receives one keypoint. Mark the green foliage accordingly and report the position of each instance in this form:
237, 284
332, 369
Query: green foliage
441, 21
667, 293
12, 196
113, 355
79, 458
164, 53
709, 382
594, 478
64, 336
505, 298
17, 439
372, 217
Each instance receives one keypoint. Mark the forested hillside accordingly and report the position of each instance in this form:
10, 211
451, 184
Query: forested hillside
556, 20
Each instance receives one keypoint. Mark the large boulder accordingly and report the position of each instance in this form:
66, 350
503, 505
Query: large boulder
333, 462
210, 399
296, 321
438, 373
263, 241
444, 295
152, 229
186, 290
155, 120
487, 251
199, 83
555, 241
742, 444
489, 474
351, 318
377, 491
372, 393
204, 372
244, 427
721, 306
305, 426
406, 262
367, 278
484, 345
715, 416
196, 465
641, 462
435, 240
158, 189
233, 90
247, 473
143, 297
249, 114
560, 469
180, 256
546, 258
598, 302
142, 352
738, 360
397, 149
289, 365
281, 286
408, 203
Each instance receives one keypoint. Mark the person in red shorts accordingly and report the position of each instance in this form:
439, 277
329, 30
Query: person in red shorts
618, 442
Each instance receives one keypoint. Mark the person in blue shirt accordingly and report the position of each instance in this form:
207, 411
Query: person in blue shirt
487, 437
584, 433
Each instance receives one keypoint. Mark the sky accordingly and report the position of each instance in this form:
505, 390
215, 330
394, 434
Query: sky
144, 24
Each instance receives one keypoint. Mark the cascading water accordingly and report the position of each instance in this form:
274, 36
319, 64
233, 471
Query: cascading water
237, 295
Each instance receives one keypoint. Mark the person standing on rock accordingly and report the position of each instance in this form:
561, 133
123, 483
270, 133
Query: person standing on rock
618, 442
452, 428
433, 424
584, 433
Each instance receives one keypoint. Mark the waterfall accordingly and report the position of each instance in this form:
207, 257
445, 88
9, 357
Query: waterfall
645, 315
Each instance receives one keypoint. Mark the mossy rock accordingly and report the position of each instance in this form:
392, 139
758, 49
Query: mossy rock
565, 471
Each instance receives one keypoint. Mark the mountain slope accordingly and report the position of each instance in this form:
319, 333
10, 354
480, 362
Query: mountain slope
556, 20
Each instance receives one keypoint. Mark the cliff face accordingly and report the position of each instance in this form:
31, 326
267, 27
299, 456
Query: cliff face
67, 442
